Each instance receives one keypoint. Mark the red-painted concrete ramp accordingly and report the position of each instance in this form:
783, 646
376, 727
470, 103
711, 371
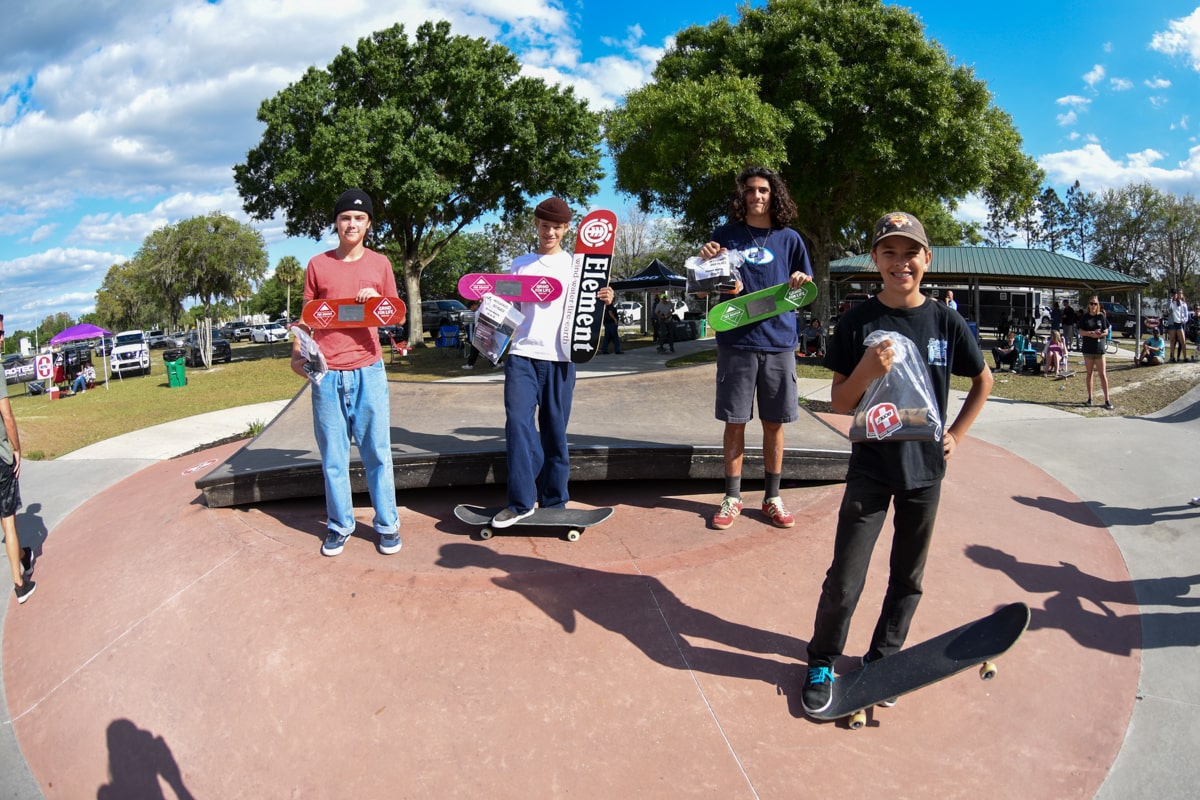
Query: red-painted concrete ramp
216, 651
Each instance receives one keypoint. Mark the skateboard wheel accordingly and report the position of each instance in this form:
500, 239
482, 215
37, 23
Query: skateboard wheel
573, 535
857, 721
987, 671
485, 533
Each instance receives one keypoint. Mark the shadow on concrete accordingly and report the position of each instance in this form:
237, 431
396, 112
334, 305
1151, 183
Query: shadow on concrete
136, 760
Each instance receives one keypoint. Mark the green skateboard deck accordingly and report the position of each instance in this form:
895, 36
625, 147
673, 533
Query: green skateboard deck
760, 305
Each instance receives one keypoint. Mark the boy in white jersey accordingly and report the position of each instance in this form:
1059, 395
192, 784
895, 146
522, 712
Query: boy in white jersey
539, 379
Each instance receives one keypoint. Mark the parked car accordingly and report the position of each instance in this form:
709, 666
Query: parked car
194, 355
157, 338
262, 334
1120, 318
397, 332
130, 353
851, 300
435, 313
242, 332
629, 312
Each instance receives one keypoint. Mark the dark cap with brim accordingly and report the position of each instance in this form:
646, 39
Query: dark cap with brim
898, 223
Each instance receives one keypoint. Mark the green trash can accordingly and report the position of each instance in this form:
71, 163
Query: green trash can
175, 373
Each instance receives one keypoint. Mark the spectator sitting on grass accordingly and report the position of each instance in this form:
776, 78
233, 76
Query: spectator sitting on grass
1152, 350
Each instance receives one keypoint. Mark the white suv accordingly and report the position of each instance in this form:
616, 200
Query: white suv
130, 353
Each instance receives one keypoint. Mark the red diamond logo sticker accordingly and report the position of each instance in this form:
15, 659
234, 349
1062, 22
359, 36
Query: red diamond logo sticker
542, 289
324, 314
481, 286
385, 311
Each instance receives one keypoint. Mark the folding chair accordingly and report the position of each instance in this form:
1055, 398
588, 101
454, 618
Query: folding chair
448, 338
1028, 358
399, 349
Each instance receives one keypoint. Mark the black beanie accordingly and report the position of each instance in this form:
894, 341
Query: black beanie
353, 200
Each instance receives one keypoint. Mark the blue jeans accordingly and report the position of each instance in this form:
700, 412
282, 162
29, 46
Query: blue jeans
539, 464
355, 403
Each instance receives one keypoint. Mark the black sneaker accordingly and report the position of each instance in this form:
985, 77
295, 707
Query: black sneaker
507, 517
1108, 406
817, 694
26, 561
334, 542
24, 591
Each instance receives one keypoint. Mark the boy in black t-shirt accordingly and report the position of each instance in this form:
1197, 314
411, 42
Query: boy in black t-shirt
906, 474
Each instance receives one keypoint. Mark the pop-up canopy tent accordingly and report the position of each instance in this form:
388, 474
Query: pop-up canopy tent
85, 331
654, 277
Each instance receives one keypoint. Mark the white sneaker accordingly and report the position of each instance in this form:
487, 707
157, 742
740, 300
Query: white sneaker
1195, 501
507, 517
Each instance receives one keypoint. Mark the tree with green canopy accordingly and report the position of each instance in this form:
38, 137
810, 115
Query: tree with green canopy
846, 99
290, 273
439, 130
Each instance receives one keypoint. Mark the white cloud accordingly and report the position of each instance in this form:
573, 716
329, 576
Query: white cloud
58, 279
1181, 125
1120, 84
1182, 38
1158, 83
1068, 119
1158, 101
1094, 76
1096, 170
1074, 100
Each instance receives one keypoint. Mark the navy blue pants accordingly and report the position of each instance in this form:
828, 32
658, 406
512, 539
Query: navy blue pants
537, 406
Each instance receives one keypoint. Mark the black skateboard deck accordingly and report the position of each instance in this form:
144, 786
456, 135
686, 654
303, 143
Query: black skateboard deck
972, 645
573, 519
584, 315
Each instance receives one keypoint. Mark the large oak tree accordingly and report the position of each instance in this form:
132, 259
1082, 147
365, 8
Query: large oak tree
439, 130
847, 99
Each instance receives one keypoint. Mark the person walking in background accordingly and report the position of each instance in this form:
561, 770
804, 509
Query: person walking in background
664, 315
352, 398
19, 560
757, 360
612, 330
1093, 335
1069, 317
1177, 317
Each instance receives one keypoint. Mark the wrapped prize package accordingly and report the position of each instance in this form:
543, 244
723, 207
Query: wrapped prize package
717, 274
495, 321
898, 405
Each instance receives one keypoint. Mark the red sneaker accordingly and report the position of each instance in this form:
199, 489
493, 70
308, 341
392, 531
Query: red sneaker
780, 517
730, 508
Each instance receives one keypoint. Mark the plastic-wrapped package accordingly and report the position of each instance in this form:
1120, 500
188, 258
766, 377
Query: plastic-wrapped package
898, 405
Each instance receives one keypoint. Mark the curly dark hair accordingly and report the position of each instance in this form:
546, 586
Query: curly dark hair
783, 210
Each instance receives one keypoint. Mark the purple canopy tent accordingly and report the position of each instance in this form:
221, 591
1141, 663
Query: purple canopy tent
85, 331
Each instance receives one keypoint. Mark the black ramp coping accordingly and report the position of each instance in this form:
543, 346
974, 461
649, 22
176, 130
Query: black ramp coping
655, 425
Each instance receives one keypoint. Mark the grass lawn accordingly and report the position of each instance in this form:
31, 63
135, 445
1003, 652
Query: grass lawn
260, 372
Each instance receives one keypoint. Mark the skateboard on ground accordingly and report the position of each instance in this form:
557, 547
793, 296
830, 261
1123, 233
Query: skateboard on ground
760, 305
973, 644
346, 312
584, 315
516, 288
573, 519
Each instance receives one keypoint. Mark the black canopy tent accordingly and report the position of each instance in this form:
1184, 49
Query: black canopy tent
652, 278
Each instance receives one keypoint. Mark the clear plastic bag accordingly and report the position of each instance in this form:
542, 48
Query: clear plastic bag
495, 321
898, 405
314, 364
717, 274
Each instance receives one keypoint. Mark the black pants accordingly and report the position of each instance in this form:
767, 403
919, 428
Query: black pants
1009, 358
860, 520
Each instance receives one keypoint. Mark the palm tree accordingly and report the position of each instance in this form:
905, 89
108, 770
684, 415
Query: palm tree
288, 271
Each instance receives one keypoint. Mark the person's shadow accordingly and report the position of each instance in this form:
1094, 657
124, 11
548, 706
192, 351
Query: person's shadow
643, 610
136, 760
31, 528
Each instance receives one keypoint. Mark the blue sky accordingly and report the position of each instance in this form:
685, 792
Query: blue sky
119, 117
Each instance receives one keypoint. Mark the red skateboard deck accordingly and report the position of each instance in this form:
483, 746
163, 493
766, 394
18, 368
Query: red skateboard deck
584, 315
346, 312
516, 288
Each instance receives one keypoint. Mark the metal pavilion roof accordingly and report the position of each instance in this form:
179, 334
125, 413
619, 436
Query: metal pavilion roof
999, 266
